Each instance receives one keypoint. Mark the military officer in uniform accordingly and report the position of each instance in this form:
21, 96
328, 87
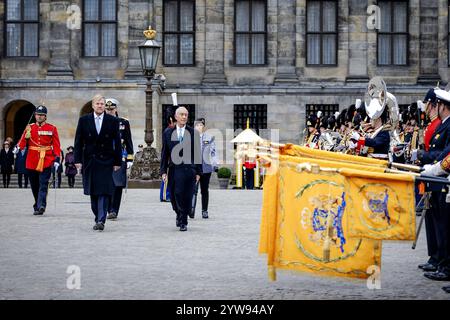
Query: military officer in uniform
44, 152
120, 176
439, 215
442, 168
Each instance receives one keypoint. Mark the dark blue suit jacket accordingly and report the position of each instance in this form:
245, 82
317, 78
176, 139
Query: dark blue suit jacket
170, 142
380, 143
98, 153
439, 141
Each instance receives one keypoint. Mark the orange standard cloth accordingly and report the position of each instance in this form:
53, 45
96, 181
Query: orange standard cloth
381, 206
303, 225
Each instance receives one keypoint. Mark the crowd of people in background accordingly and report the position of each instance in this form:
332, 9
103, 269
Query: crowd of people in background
11, 163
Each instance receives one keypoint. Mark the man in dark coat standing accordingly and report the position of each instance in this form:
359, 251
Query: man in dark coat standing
181, 165
98, 153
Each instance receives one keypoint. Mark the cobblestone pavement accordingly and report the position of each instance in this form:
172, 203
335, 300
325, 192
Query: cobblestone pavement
142, 255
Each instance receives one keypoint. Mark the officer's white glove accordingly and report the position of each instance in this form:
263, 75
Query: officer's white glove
355, 135
16, 150
352, 145
433, 170
56, 165
413, 155
129, 164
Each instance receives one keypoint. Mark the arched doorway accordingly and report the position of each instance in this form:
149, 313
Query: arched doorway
87, 108
18, 114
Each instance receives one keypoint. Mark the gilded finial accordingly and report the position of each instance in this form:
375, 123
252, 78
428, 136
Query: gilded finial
248, 123
150, 34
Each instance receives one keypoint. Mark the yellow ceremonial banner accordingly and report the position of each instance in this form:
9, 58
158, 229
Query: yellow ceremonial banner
298, 151
269, 210
381, 205
329, 163
309, 226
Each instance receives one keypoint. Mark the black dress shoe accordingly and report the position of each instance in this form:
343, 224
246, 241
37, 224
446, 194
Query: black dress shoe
112, 216
437, 276
95, 227
192, 214
183, 227
205, 214
427, 267
101, 226
39, 212
446, 289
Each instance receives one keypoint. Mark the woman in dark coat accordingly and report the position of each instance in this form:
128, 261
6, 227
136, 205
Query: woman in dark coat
21, 170
6, 163
71, 170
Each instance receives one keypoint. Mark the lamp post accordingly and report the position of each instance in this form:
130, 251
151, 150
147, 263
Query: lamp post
146, 164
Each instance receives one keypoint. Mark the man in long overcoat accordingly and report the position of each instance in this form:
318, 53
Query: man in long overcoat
97, 153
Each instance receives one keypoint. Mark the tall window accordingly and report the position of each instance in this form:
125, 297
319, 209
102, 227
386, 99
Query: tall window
22, 28
321, 32
393, 34
256, 113
100, 28
179, 32
250, 32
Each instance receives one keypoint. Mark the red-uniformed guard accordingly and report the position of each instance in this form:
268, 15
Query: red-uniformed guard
42, 142
432, 113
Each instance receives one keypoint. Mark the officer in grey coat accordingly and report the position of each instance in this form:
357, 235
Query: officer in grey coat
209, 165
120, 176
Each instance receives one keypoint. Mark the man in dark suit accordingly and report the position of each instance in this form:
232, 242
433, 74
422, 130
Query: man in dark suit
438, 216
97, 153
181, 165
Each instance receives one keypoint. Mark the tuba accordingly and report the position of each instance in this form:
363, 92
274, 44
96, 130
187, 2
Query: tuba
377, 98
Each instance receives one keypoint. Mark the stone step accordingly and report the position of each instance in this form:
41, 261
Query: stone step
213, 184
14, 183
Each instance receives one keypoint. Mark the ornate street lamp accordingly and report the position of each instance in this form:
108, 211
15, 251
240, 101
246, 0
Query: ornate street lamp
146, 164
149, 52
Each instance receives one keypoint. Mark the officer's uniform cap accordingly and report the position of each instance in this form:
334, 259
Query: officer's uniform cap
41, 110
111, 103
430, 97
442, 95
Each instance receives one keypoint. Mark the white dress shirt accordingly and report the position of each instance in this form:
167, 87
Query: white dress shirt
100, 120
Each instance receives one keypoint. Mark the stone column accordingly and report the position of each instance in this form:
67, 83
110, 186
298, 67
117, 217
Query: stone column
214, 43
429, 38
357, 42
60, 30
286, 43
